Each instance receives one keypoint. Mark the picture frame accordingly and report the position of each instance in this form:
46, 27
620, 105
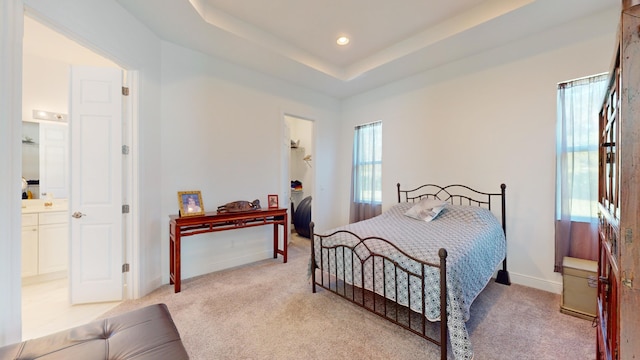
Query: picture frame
190, 203
272, 201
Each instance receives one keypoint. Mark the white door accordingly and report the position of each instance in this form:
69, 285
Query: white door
96, 184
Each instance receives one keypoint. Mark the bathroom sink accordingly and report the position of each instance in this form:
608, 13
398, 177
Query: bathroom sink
41, 205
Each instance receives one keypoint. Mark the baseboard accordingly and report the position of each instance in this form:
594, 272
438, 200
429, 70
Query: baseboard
244, 259
149, 287
536, 283
45, 277
577, 313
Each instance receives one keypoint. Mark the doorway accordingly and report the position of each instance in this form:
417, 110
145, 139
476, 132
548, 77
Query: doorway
300, 171
47, 59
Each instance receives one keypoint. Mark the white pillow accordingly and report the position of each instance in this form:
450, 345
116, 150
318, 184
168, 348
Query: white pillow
426, 209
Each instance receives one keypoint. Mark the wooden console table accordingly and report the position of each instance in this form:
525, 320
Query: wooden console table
211, 222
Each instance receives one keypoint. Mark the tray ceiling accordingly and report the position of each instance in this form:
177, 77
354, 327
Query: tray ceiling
296, 40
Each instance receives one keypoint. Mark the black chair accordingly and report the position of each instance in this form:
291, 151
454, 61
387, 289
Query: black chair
302, 218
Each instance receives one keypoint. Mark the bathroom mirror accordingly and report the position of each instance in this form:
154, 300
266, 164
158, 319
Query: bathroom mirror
45, 159
31, 157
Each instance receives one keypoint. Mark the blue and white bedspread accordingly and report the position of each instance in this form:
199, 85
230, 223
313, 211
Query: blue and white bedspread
475, 243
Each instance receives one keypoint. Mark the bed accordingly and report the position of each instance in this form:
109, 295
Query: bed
421, 275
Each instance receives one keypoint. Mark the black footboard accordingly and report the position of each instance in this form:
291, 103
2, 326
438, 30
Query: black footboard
341, 268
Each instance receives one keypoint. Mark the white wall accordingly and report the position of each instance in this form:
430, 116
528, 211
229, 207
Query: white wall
222, 129
47, 60
487, 120
45, 86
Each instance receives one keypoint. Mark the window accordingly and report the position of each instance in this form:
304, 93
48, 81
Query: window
579, 102
367, 163
577, 147
366, 186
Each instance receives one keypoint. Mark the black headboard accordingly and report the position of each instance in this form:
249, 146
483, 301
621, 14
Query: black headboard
457, 194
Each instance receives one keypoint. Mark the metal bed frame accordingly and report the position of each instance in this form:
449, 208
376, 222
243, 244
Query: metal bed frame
382, 305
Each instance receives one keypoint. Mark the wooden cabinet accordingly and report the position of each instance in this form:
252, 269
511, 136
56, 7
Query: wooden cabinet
619, 198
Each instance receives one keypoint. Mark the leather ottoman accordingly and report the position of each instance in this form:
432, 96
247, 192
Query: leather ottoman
146, 333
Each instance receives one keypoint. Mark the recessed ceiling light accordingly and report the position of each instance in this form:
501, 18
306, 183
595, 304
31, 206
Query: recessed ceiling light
342, 40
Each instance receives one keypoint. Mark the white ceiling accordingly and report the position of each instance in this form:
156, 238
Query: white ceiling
295, 39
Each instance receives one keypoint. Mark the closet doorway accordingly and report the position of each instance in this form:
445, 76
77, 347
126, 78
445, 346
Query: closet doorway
301, 172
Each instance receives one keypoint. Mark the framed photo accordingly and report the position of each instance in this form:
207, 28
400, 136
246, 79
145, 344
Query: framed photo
190, 203
272, 200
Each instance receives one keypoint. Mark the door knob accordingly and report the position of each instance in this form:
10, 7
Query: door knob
78, 215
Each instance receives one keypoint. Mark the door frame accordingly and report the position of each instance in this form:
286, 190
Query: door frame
130, 223
286, 152
131, 197
12, 15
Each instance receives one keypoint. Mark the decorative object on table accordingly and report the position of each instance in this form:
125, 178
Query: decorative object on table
190, 203
295, 144
238, 206
272, 201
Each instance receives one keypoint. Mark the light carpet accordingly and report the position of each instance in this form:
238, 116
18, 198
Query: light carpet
266, 310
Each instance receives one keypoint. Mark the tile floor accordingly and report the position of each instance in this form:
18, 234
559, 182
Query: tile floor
46, 309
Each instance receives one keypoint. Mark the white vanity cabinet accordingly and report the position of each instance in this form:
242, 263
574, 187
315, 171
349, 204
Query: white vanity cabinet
45, 243
53, 240
29, 245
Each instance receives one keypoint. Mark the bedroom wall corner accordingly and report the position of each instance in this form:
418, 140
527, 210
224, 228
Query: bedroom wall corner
228, 121
486, 120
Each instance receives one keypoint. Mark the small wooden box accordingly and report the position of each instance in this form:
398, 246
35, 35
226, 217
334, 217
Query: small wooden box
579, 287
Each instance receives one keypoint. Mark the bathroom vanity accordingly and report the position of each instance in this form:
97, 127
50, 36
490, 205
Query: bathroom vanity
45, 239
